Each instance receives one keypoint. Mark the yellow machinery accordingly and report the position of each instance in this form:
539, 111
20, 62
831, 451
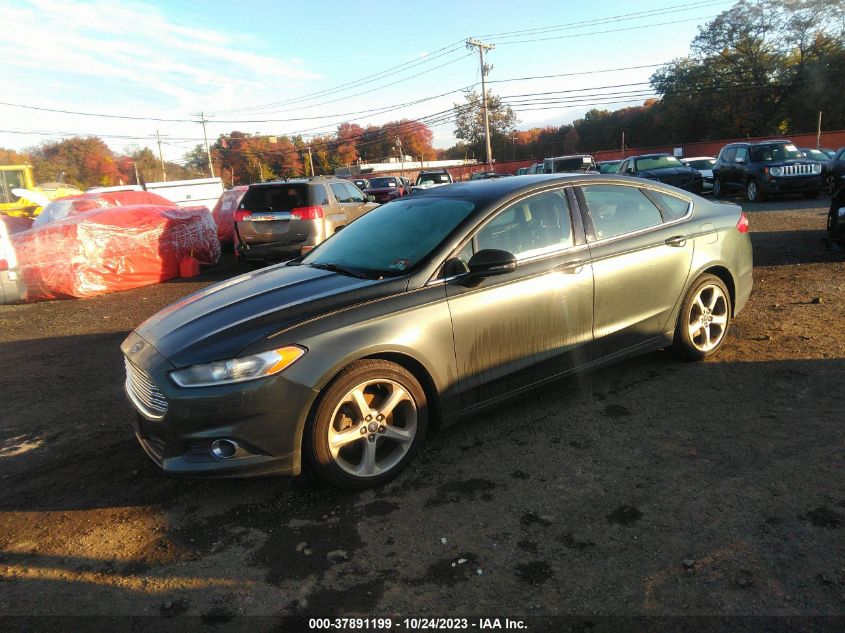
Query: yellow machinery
14, 178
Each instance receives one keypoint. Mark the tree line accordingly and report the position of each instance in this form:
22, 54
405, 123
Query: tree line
760, 68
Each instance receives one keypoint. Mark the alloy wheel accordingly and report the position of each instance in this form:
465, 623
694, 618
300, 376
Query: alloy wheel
708, 318
372, 428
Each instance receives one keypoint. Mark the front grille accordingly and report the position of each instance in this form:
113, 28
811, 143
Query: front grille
143, 392
798, 170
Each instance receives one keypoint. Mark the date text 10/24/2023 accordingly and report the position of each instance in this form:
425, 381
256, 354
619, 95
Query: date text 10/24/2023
414, 624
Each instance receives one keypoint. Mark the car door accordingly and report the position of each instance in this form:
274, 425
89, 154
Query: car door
640, 264
516, 329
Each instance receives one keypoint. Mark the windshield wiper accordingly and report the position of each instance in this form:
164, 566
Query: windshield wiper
336, 268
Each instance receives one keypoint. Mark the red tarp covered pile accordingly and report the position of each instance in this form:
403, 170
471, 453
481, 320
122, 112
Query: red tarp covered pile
224, 211
110, 249
62, 208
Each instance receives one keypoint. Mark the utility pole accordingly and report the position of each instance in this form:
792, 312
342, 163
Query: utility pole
203, 120
310, 161
481, 46
819, 132
161, 158
401, 156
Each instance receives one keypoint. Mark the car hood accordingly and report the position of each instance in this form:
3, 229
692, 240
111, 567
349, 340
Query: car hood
220, 321
670, 175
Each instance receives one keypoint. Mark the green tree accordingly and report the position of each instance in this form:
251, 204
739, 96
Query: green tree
469, 124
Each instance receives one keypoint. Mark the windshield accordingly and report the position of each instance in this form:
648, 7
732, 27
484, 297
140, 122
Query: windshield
703, 163
433, 179
816, 154
658, 162
394, 238
770, 153
609, 168
382, 183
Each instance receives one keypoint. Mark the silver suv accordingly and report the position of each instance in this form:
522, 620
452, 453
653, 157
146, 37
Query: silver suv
285, 219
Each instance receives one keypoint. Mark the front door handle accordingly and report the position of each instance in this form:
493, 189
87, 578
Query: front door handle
677, 240
571, 268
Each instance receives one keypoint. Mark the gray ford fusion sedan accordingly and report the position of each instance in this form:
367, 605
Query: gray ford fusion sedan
423, 311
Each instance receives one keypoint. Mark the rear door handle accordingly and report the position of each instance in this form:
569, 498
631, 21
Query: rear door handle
571, 268
677, 240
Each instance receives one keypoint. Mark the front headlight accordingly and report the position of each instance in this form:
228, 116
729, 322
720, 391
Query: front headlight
225, 372
776, 171
817, 168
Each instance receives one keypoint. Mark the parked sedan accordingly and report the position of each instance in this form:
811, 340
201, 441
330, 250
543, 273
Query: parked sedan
387, 188
423, 311
663, 168
704, 164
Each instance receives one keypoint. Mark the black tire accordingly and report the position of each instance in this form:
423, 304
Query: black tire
697, 347
752, 191
336, 414
718, 188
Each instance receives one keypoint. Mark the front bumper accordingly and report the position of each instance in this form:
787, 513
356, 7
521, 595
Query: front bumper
796, 184
264, 417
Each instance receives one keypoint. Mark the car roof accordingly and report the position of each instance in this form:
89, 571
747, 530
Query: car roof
500, 187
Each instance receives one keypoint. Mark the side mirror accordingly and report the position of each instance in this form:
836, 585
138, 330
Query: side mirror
491, 261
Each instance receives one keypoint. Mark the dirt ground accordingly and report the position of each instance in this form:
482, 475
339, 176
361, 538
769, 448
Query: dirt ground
654, 487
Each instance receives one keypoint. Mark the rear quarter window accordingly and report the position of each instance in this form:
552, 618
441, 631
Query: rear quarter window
617, 210
672, 207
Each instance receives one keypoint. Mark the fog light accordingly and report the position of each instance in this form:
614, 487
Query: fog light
224, 449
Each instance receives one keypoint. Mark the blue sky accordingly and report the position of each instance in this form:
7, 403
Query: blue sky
268, 67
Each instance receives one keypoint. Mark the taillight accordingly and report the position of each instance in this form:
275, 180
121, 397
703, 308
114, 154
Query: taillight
4, 265
306, 213
742, 223
241, 215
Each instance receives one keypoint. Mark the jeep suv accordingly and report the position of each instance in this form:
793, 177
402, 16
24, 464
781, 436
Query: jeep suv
286, 219
767, 168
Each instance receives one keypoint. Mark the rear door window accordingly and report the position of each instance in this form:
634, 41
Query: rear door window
354, 194
617, 210
341, 193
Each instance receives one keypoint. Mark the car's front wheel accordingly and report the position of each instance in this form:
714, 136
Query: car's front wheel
752, 192
368, 425
830, 185
717, 188
704, 318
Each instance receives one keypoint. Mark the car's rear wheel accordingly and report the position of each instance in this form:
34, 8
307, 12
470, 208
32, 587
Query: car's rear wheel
704, 319
368, 425
752, 192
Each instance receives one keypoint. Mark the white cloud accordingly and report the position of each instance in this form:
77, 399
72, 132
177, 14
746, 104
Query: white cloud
128, 58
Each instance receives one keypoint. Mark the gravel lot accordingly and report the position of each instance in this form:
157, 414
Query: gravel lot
654, 487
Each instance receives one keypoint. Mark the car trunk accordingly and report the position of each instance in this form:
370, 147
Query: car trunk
266, 214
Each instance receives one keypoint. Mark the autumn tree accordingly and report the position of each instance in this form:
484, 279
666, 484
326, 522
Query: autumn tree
80, 161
